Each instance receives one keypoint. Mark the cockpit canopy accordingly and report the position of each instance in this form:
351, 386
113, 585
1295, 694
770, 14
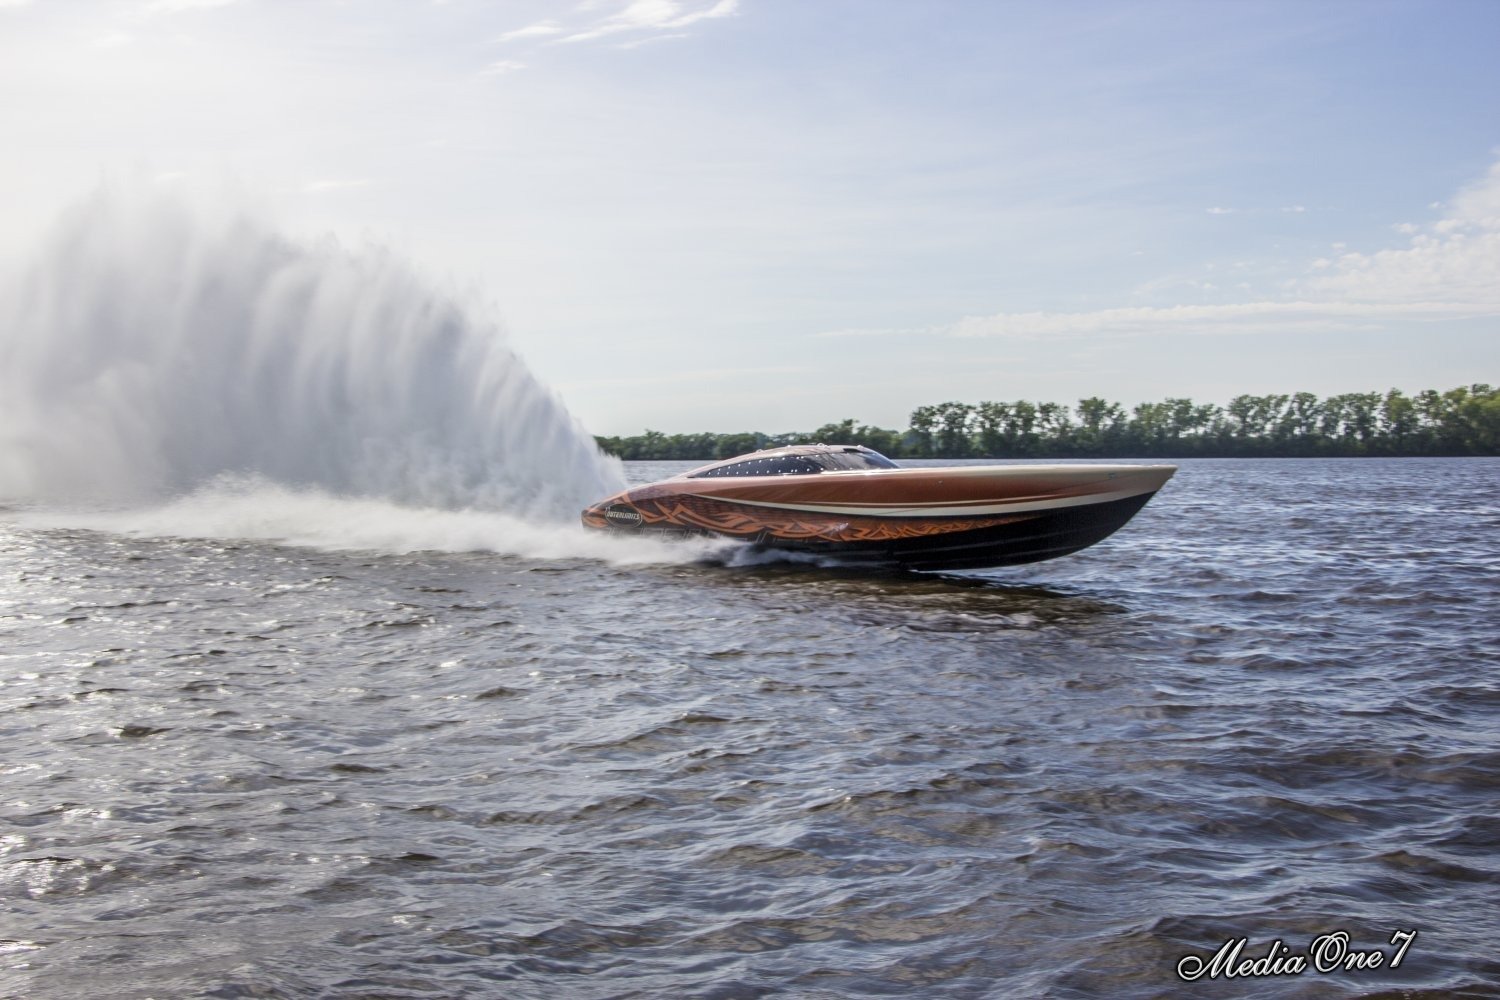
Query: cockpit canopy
798, 460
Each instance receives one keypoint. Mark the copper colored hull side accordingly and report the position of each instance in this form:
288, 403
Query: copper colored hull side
948, 518
948, 487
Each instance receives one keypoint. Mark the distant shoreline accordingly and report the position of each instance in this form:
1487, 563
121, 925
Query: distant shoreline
1460, 422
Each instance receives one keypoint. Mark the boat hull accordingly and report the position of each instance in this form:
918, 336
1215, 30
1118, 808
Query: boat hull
1028, 539
922, 519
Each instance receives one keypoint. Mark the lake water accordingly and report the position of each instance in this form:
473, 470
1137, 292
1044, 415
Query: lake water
332, 748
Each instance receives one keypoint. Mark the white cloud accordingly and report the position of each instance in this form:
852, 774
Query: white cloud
640, 21
684, 377
1450, 269
502, 66
1223, 210
542, 29
335, 184
1479, 203
112, 41
638, 42
173, 6
1455, 260
653, 15
1242, 317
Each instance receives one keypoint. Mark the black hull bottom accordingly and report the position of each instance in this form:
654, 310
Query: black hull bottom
1045, 535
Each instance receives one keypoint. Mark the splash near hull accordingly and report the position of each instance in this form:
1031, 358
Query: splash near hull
855, 506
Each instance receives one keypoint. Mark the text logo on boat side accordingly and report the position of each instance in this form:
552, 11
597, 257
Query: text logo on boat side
625, 517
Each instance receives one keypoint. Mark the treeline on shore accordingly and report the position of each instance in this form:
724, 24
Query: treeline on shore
1461, 421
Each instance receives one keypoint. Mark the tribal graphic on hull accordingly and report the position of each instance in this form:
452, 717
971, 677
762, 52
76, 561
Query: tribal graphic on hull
726, 518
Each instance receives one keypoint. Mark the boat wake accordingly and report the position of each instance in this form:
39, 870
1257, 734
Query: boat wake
254, 509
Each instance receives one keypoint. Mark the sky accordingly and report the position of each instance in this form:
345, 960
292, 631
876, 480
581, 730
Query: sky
768, 215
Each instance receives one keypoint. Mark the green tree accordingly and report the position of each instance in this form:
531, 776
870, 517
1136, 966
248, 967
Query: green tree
730, 445
1100, 425
1461, 421
887, 442
924, 421
953, 429
1399, 423
1055, 423
1021, 428
1298, 427
990, 423
1150, 428
839, 433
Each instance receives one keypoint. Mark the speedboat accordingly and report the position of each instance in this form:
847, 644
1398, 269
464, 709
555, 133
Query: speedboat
857, 506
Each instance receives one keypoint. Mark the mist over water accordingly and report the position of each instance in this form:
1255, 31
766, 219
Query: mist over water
161, 351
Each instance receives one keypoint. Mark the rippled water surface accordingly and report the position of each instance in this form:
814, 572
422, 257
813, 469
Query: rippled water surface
1267, 709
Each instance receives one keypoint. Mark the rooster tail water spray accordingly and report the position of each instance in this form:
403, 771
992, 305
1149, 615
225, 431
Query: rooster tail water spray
155, 346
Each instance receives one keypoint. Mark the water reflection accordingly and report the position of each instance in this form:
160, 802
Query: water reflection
895, 598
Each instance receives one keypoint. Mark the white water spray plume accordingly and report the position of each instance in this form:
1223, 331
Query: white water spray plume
156, 344
172, 368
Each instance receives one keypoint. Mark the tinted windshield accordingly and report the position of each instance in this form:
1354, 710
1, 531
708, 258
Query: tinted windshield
772, 465
837, 460
800, 465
